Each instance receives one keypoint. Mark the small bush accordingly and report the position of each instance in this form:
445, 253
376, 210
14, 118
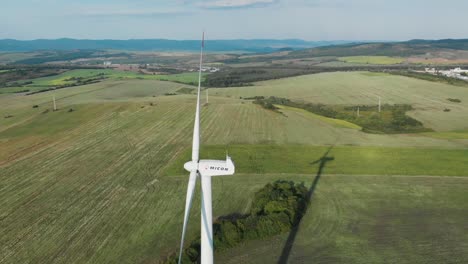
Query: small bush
454, 100
35, 106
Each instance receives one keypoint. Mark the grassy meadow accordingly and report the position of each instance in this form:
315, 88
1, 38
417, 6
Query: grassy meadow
347, 160
369, 219
103, 183
352, 88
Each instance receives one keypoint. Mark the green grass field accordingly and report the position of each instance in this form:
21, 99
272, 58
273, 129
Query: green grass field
103, 184
370, 219
62, 79
69, 78
301, 159
428, 98
377, 60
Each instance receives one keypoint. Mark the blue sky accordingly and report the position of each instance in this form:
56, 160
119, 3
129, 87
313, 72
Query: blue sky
230, 19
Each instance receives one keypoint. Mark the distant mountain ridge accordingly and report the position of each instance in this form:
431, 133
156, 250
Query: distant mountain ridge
251, 45
404, 48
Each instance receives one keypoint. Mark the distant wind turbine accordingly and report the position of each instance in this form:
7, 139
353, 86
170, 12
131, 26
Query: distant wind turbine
380, 104
55, 105
205, 169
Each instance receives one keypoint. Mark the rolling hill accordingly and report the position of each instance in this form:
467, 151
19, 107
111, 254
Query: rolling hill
404, 49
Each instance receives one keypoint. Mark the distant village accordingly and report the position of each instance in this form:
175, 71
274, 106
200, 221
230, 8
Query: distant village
143, 67
453, 73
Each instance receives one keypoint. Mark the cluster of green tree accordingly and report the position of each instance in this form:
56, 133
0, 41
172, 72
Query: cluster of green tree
17, 84
245, 76
17, 76
454, 100
276, 209
265, 103
22, 91
431, 77
398, 122
253, 98
235, 77
78, 82
83, 81
185, 91
13, 77
391, 120
164, 70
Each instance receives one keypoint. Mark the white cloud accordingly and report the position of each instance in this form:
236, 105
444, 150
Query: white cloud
236, 3
131, 12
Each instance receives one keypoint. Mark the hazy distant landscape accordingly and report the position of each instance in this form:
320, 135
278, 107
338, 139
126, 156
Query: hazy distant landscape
252, 45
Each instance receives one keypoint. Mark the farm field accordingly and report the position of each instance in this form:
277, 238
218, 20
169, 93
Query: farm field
377, 60
102, 184
113, 74
370, 219
71, 78
350, 88
347, 160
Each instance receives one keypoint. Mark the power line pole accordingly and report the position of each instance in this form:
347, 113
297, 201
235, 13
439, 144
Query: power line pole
380, 104
358, 114
55, 105
206, 96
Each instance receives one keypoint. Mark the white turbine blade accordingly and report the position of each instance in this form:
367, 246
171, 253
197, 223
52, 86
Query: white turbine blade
206, 239
188, 205
196, 127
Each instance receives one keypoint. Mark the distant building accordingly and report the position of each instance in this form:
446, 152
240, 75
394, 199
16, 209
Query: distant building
430, 70
458, 73
210, 69
107, 63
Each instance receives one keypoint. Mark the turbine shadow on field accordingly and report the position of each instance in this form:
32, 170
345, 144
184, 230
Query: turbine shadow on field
285, 253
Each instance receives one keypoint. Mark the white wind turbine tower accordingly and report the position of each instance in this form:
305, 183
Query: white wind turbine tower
204, 169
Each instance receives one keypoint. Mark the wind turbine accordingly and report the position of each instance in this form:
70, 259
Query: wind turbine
55, 105
204, 169
380, 103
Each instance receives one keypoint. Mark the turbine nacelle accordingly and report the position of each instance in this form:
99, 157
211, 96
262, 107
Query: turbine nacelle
212, 168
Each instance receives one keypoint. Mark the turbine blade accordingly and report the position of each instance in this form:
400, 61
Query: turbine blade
188, 205
196, 127
206, 239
